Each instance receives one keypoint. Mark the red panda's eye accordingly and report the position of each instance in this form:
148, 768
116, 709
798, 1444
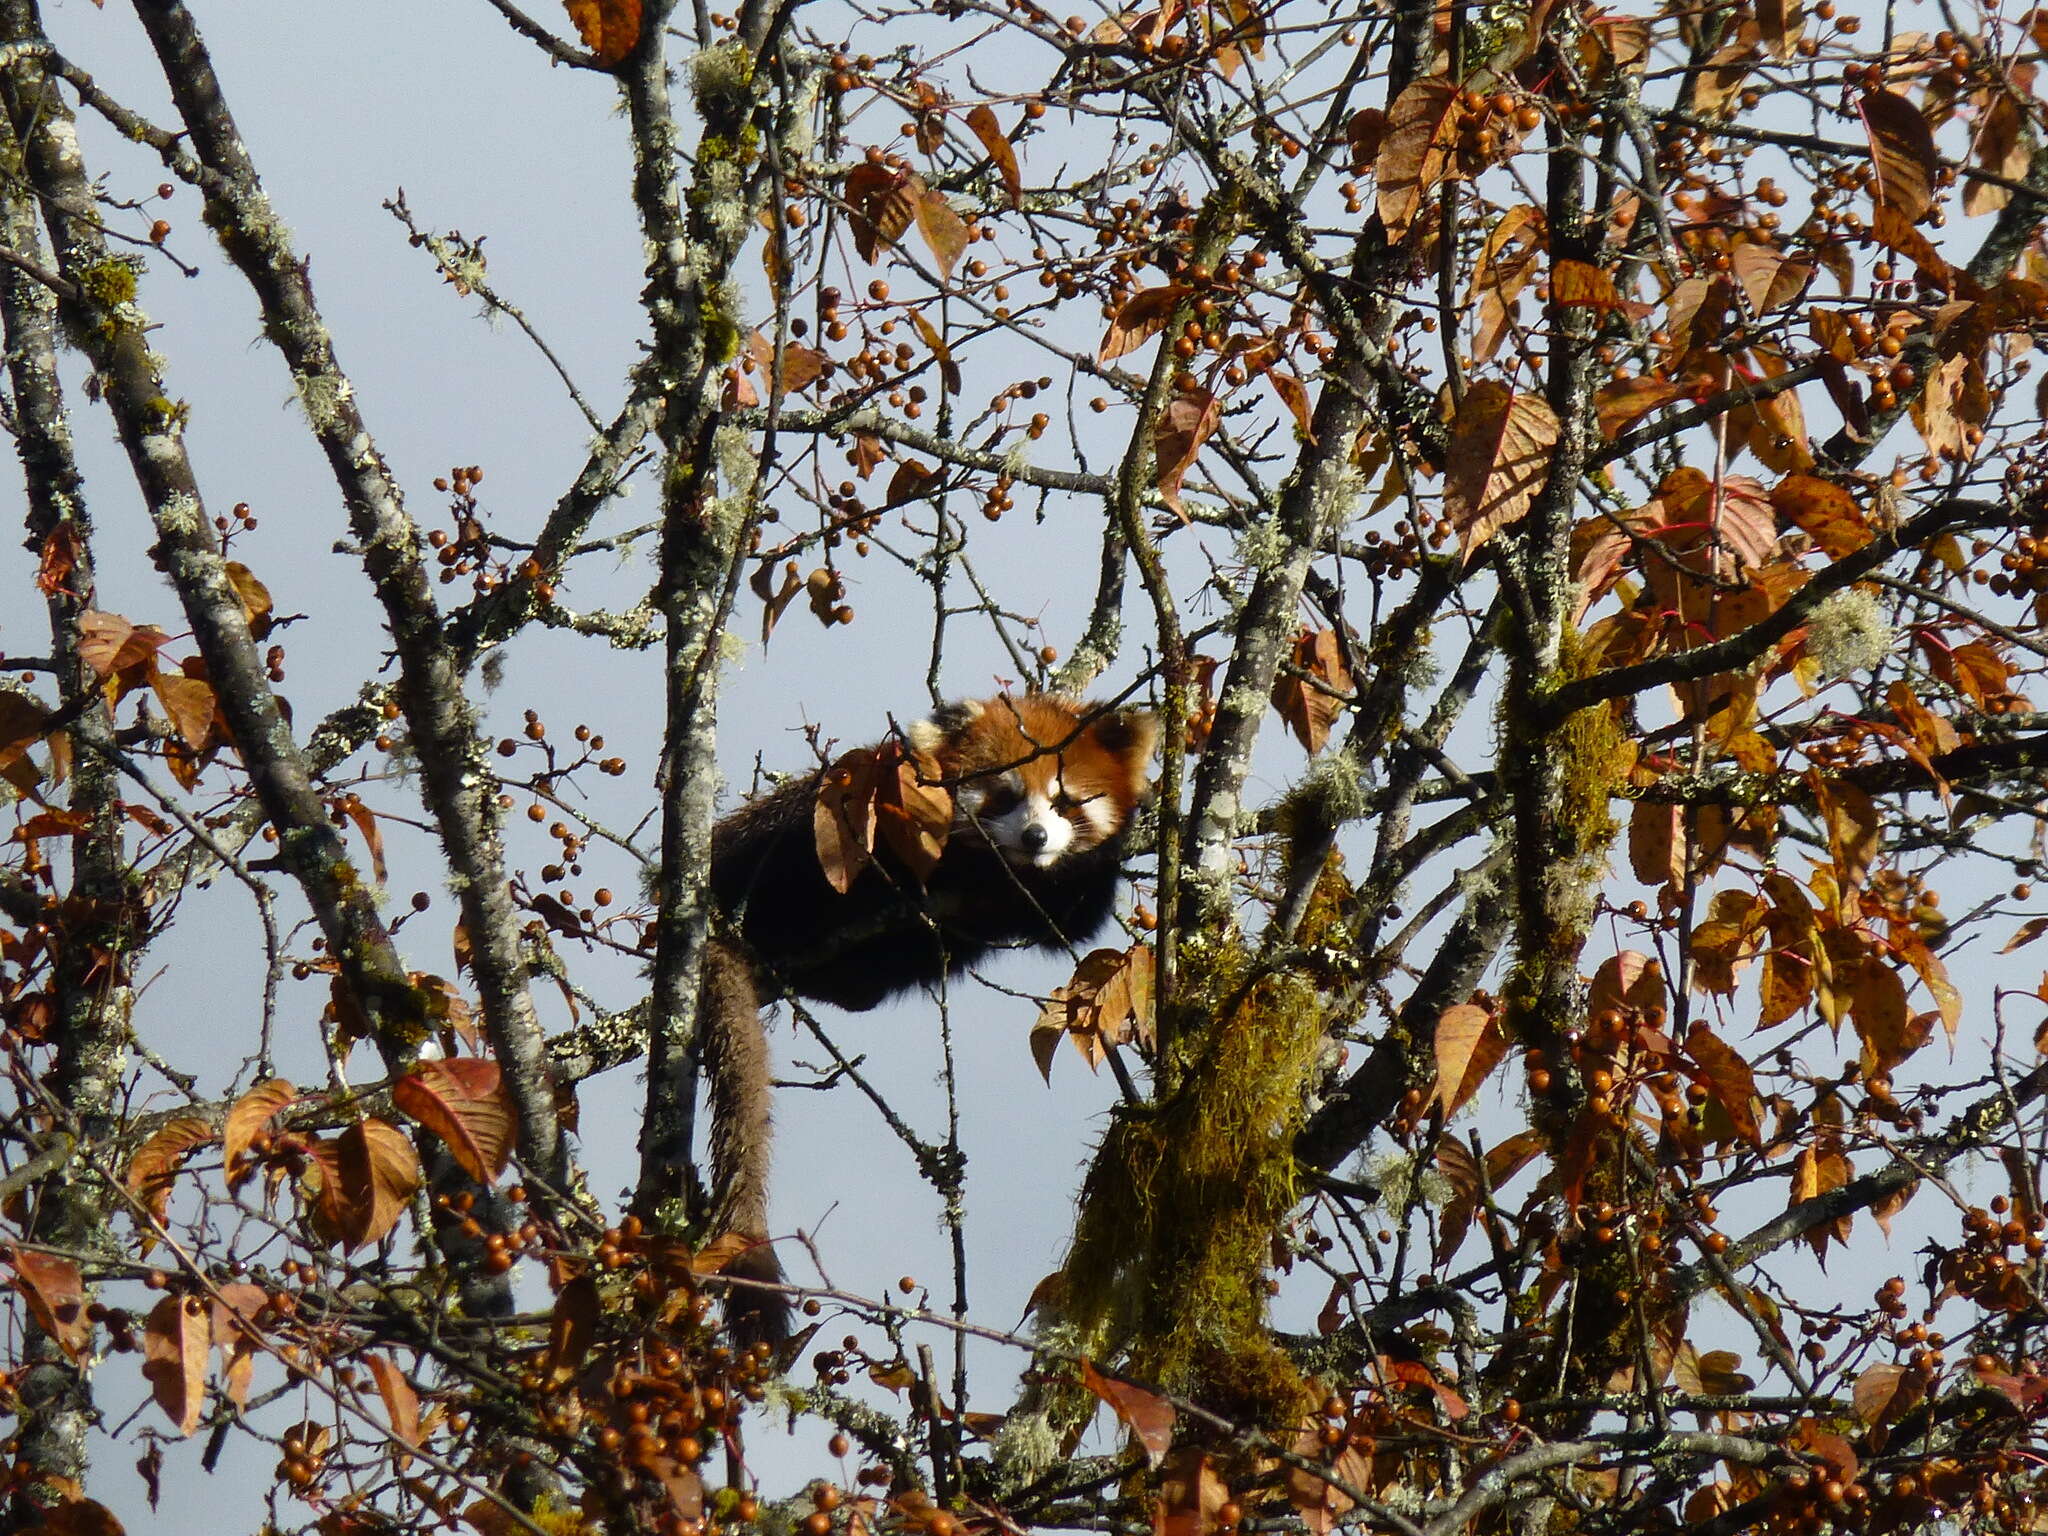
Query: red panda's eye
998, 803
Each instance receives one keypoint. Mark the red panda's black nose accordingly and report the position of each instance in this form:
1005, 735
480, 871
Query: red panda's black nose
1033, 837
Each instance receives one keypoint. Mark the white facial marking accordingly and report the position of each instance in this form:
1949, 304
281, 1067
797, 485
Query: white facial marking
1031, 831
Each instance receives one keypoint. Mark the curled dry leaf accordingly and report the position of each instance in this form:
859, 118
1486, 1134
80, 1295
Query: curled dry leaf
843, 819
1501, 445
1782, 23
913, 814
1581, 285
1726, 1075
155, 1165
882, 205
949, 370
773, 600
1824, 511
981, 121
1186, 423
176, 1340
236, 1307
365, 821
800, 366
1625, 402
572, 1329
58, 559
401, 1402
1902, 149
943, 229
251, 1113
1311, 702
1415, 151
1108, 1002
463, 1101
1469, 1045
1148, 1416
253, 596
1143, 316
55, 1293
189, 705
362, 1179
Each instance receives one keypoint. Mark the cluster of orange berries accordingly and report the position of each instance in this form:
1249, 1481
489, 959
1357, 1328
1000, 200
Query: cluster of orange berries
1983, 1267
1485, 124
2023, 569
466, 552
501, 1249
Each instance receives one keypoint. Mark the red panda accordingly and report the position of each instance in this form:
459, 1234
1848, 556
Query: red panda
1044, 789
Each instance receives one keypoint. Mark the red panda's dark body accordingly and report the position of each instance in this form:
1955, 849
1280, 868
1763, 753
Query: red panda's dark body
891, 932
1044, 790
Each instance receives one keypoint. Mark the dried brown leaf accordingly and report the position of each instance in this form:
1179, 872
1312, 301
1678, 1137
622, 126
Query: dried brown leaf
981, 121
55, 1293
1143, 316
943, 229
176, 1340
154, 1168
1186, 423
1469, 1045
1149, 1417
462, 1100
1902, 150
1500, 454
251, 1113
1415, 151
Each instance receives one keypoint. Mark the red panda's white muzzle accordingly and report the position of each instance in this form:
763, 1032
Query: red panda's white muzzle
1031, 831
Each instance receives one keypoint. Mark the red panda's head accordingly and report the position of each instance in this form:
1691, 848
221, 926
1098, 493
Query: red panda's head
1040, 776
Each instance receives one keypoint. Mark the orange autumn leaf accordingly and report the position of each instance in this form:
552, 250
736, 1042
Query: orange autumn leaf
1415, 151
249, 1115
156, 1162
1001, 153
176, 1341
609, 28
55, 1293
1501, 445
362, 1180
463, 1101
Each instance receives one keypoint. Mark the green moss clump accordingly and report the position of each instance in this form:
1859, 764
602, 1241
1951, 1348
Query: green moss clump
109, 283
721, 332
1167, 1274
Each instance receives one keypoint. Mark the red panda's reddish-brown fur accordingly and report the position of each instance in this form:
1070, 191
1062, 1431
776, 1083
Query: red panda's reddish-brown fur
1044, 791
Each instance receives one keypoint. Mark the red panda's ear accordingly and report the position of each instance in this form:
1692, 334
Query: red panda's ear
945, 723
1131, 734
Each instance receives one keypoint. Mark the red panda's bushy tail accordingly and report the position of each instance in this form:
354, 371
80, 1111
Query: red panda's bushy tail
736, 1068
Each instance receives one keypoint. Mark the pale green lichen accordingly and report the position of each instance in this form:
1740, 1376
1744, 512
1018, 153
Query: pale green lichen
719, 196
1261, 545
723, 74
321, 396
1403, 1180
738, 465
180, 514
1345, 489
1327, 796
111, 284
1028, 1444
1849, 633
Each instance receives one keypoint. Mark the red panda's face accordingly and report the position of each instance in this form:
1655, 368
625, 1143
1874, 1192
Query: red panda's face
1033, 780
1036, 819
